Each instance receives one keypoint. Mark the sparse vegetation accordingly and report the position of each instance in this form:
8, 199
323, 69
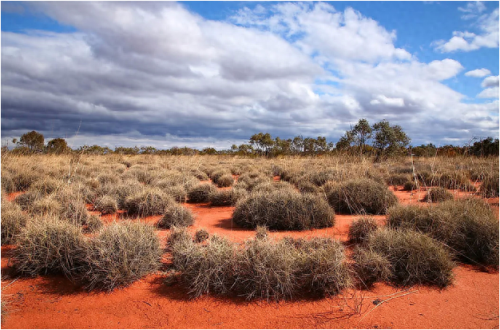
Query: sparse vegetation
437, 194
361, 196
283, 210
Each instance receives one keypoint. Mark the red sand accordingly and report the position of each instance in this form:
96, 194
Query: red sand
54, 302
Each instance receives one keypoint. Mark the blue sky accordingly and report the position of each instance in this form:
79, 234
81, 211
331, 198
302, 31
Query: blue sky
213, 73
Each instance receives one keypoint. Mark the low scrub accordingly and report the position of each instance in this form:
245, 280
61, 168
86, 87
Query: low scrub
121, 254
226, 197
151, 201
176, 215
489, 186
106, 205
371, 267
437, 194
49, 245
361, 196
283, 210
201, 235
468, 227
361, 228
201, 193
398, 179
414, 258
13, 221
261, 268
224, 181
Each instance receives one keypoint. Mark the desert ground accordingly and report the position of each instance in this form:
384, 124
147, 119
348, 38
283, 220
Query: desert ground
459, 291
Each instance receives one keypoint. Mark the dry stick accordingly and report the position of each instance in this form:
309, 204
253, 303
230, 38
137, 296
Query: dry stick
384, 302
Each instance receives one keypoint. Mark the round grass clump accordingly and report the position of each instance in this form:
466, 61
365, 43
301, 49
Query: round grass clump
26, 200
226, 197
46, 186
201, 235
8, 184
106, 205
361, 228
49, 245
201, 193
176, 215
489, 186
467, 226
283, 210
361, 196
414, 258
151, 201
13, 221
178, 193
93, 224
46, 205
225, 181
437, 194
371, 267
121, 254
409, 186
398, 179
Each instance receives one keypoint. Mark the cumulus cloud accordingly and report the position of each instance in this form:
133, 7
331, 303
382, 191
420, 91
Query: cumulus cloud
489, 93
478, 73
487, 25
490, 82
157, 74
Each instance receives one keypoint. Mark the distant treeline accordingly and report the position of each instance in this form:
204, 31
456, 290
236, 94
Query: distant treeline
380, 140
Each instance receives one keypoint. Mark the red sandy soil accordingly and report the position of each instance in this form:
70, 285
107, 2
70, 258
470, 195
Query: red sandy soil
54, 302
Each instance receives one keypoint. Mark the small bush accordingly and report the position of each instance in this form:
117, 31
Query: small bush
361, 196
46, 205
409, 186
176, 215
93, 224
178, 193
201, 235
415, 258
49, 245
283, 210
210, 269
106, 205
225, 181
360, 229
13, 221
371, 267
226, 197
398, 179
121, 254
437, 194
489, 186
201, 193
150, 201
468, 227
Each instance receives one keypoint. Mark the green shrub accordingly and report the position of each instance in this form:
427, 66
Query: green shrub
176, 215
437, 194
151, 201
49, 245
361, 228
13, 221
201, 193
121, 254
106, 205
415, 258
468, 227
283, 210
361, 196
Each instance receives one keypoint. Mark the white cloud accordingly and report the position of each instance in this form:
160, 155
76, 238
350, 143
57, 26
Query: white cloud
157, 74
489, 93
472, 9
467, 41
490, 81
478, 73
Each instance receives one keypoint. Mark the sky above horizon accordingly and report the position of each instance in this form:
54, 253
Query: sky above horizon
211, 74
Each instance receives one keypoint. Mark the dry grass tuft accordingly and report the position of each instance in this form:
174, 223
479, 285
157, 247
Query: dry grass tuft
361, 228
176, 215
121, 254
